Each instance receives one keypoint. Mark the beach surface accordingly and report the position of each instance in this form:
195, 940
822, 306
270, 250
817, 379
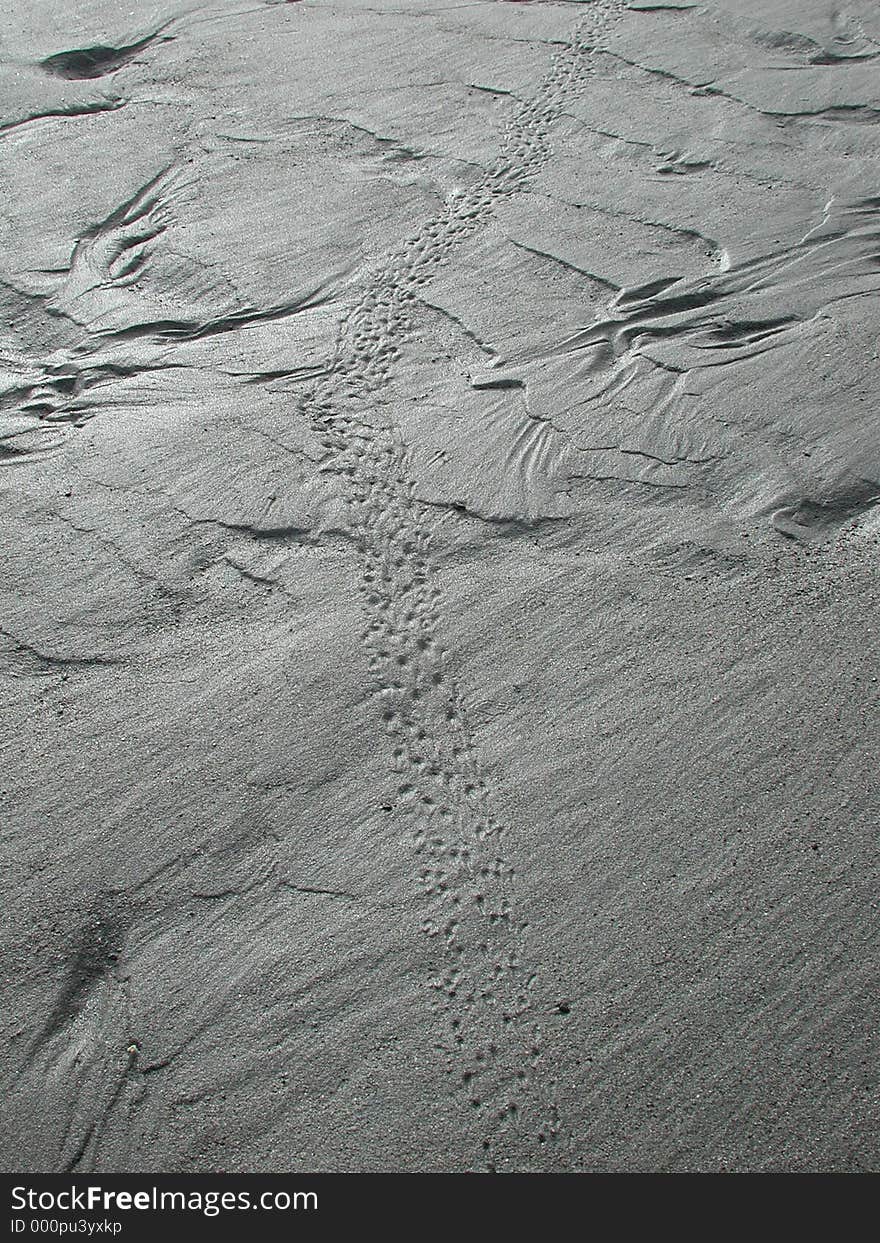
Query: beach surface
440, 510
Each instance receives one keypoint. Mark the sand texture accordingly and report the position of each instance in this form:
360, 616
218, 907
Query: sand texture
440, 490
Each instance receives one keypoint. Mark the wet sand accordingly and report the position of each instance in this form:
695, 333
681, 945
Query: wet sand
439, 472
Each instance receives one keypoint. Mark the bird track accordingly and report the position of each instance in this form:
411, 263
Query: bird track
483, 990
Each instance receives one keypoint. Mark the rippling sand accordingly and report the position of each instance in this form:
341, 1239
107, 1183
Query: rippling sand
439, 470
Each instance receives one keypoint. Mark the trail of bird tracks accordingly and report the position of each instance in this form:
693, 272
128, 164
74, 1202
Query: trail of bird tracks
484, 986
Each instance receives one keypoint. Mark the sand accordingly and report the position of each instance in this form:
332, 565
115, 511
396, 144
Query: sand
439, 472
